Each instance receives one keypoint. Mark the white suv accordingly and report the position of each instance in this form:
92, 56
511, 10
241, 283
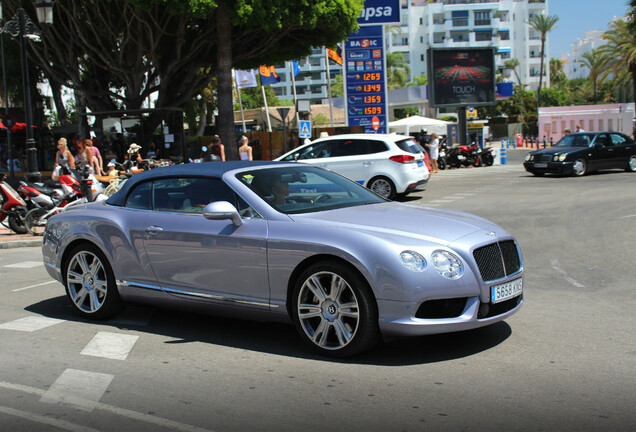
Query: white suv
386, 164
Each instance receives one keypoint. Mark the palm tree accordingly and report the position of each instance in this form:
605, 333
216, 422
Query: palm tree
512, 64
595, 62
544, 25
398, 70
620, 50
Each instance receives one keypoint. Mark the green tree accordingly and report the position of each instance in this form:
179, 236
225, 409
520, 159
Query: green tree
398, 70
118, 52
420, 80
595, 62
544, 25
558, 78
620, 50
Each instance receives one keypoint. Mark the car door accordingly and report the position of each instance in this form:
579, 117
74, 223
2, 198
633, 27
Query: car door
209, 260
351, 158
605, 152
622, 151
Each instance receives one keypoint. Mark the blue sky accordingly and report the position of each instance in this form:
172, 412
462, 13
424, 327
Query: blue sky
577, 17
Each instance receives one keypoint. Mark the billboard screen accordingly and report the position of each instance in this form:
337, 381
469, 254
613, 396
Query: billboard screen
461, 76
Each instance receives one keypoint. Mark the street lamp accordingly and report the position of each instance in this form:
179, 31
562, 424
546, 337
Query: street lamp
21, 26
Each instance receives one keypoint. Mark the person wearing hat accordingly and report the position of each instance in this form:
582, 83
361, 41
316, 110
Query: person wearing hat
133, 153
110, 169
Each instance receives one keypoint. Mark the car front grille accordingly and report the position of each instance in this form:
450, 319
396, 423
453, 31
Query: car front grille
546, 158
497, 260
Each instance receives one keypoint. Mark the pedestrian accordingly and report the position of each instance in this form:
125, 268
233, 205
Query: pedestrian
63, 159
217, 148
84, 156
245, 151
578, 128
433, 148
97, 157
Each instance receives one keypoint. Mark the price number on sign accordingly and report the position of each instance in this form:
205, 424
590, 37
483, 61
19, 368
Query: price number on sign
373, 110
372, 87
371, 77
373, 99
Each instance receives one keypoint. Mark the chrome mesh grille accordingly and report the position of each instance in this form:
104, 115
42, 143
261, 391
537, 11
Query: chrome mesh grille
497, 260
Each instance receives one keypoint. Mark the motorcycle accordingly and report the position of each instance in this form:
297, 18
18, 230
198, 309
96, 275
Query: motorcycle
441, 158
487, 156
13, 207
459, 156
76, 191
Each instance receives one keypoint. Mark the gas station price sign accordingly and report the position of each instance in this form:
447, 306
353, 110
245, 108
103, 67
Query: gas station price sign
366, 79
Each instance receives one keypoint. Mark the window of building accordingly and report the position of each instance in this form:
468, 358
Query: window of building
504, 34
421, 57
610, 124
459, 36
505, 55
483, 35
421, 21
460, 18
590, 126
600, 124
482, 18
438, 37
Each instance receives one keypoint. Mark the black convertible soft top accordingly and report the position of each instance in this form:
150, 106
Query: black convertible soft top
203, 169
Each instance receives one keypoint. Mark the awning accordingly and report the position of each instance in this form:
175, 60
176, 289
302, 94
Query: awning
503, 50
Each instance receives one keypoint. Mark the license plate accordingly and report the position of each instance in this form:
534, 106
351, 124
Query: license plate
541, 165
420, 163
508, 290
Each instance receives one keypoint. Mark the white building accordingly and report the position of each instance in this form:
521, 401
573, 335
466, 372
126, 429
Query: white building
575, 68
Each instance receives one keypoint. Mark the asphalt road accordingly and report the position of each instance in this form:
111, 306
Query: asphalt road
566, 361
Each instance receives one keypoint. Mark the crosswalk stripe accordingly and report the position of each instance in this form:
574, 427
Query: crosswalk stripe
30, 324
114, 346
73, 384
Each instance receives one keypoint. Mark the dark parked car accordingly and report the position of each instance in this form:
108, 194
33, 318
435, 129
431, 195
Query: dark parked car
580, 153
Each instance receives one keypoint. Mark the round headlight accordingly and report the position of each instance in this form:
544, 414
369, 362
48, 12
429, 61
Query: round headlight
555, 158
413, 261
447, 264
528, 157
562, 157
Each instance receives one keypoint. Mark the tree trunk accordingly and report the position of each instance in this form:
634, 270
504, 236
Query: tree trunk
225, 124
540, 73
62, 115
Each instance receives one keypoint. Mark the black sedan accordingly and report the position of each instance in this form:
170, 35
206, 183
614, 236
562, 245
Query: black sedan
580, 153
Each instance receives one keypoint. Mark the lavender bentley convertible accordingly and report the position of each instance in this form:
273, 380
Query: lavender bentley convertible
286, 242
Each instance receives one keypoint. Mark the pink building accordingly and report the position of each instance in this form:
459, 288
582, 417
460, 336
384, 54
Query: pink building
615, 117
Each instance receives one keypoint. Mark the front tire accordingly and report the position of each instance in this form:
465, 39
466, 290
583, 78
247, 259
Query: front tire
383, 187
631, 165
90, 283
33, 221
579, 168
16, 220
334, 310
441, 163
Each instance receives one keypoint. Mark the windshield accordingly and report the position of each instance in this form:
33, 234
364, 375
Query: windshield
305, 189
409, 145
575, 140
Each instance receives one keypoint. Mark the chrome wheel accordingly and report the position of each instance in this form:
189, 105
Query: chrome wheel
383, 187
333, 312
632, 164
580, 167
90, 284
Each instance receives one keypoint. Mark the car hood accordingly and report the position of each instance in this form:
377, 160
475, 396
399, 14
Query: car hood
559, 150
441, 226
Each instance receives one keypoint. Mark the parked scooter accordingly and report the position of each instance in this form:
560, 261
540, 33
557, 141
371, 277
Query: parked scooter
441, 158
86, 189
13, 207
487, 156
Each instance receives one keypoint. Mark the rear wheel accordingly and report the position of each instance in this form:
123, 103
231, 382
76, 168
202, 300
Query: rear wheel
631, 166
441, 163
488, 159
383, 187
580, 167
16, 220
90, 283
334, 310
34, 223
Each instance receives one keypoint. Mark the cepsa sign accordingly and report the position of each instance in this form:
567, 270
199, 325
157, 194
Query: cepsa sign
380, 12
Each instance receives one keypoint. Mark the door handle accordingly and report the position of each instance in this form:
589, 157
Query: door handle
366, 164
154, 229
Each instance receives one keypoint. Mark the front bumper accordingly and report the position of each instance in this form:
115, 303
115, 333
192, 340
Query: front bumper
565, 167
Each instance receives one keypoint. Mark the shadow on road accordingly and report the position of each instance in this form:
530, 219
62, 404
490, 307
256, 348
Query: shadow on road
280, 338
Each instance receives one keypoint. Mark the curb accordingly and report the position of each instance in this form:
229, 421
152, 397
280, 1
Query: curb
20, 243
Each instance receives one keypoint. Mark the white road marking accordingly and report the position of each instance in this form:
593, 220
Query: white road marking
123, 412
628, 216
47, 420
114, 346
33, 286
557, 267
30, 324
78, 384
26, 264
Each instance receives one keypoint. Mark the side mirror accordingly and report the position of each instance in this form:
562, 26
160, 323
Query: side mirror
221, 210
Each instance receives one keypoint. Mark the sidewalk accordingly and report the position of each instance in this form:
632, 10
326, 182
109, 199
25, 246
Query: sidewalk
10, 240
